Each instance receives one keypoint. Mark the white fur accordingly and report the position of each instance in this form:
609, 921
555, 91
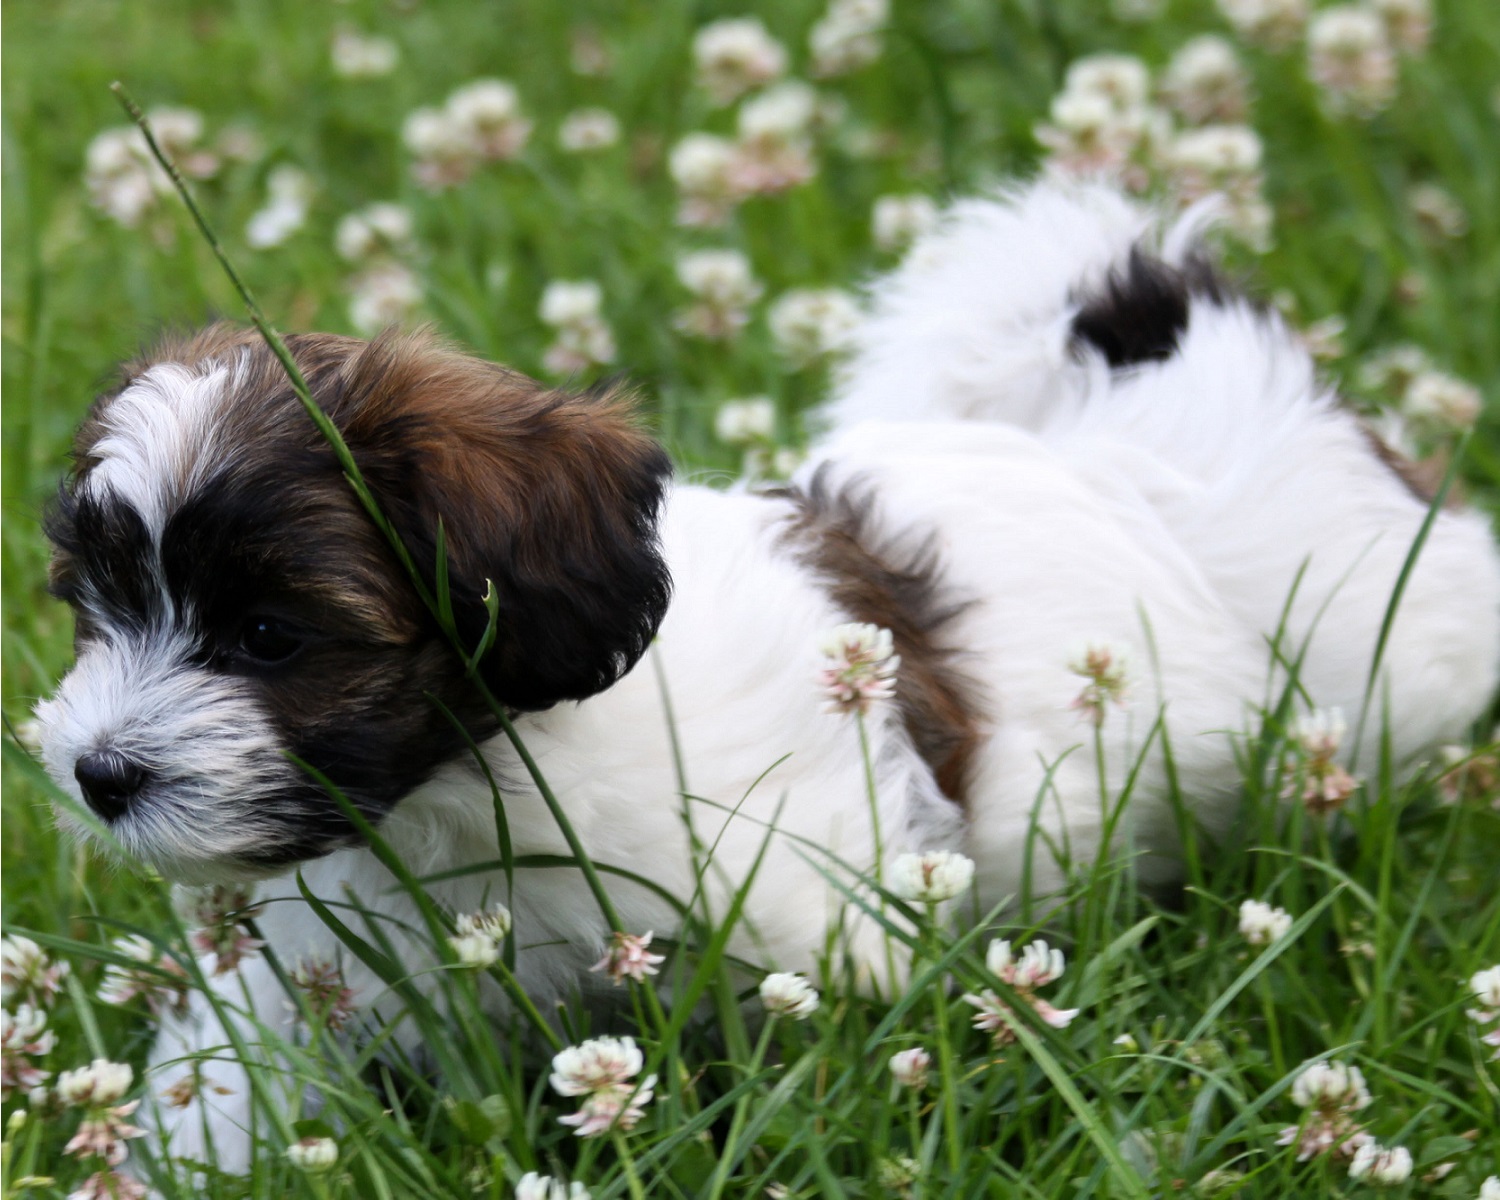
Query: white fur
1168, 508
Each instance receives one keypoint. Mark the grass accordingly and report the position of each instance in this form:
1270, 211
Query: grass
1394, 899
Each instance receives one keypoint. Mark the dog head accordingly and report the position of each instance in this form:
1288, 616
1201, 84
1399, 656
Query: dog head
238, 612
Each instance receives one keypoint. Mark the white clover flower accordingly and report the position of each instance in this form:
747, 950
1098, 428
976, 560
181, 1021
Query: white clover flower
1443, 401
493, 922
588, 129
1205, 81
596, 1065
1321, 732
488, 113
1490, 1188
373, 231
1437, 211
359, 55
847, 37
1407, 22
313, 1155
26, 972
1486, 986
931, 877
532, 1186
570, 302
1217, 152
101, 1082
859, 667
734, 56
810, 324
386, 294
476, 950
721, 277
788, 995
781, 113
24, 1036
910, 1067
700, 163
1260, 924
1039, 964
159, 979
580, 346
122, 177
1331, 1086
291, 191
1350, 59
628, 958
898, 221
1122, 80
1383, 1167
1273, 23
745, 422
1393, 370
442, 148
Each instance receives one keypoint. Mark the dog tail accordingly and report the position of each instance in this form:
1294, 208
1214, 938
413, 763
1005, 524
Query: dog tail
1017, 308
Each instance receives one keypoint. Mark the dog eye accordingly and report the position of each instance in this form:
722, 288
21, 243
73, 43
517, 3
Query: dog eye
269, 640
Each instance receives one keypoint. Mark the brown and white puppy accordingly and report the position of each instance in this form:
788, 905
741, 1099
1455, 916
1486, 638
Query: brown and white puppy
1058, 428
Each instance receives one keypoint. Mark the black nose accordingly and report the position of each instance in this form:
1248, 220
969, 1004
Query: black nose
108, 780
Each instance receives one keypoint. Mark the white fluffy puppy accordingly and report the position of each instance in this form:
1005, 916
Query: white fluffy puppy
1060, 429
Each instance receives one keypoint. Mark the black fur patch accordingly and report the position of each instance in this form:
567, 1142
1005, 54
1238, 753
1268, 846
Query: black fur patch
1139, 313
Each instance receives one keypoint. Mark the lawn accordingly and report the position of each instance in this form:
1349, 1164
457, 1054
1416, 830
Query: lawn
592, 190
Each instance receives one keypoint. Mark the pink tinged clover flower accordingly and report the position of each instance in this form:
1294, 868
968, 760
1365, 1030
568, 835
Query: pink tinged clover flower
154, 976
109, 1185
24, 1036
627, 957
859, 667
909, 1067
1038, 965
601, 1071
1323, 786
26, 973
329, 998
219, 914
1331, 1092
1104, 667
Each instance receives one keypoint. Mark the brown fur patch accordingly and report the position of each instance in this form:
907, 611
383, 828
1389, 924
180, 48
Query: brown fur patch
1422, 479
833, 535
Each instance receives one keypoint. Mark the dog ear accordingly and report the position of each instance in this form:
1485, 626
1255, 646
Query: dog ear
551, 495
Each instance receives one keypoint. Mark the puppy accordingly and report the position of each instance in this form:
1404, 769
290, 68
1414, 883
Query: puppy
1060, 428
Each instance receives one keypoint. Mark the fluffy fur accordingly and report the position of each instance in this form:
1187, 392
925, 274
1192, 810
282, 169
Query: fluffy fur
1059, 427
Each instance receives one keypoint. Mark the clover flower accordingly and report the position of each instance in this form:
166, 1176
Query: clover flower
152, 975
1105, 668
103, 1134
218, 915
1384, 1167
601, 1070
746, 422
328, 997
1275, 24
109, 1185
377, 231
724, 287
910, 1067
122, 176
479, 122
289, 194
357, 55
897, 221
773, 152
787, 995
1486, 986
1222, 160
190, 1087
1322, 784
1351, 61
1260, 924
313, 1155
859, 667
26, 973
1038, 965
1436, 211
1205, 81
847, 37
702, 165
100, 1083
532, 1186
1490, 1188
584, 338
809, 325
24, 1036
735, 56
627, 958
1442, 402
931, 877
386, 294
588, 129
1331, 1093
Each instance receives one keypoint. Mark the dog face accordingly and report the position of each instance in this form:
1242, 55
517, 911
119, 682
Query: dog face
238, 613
